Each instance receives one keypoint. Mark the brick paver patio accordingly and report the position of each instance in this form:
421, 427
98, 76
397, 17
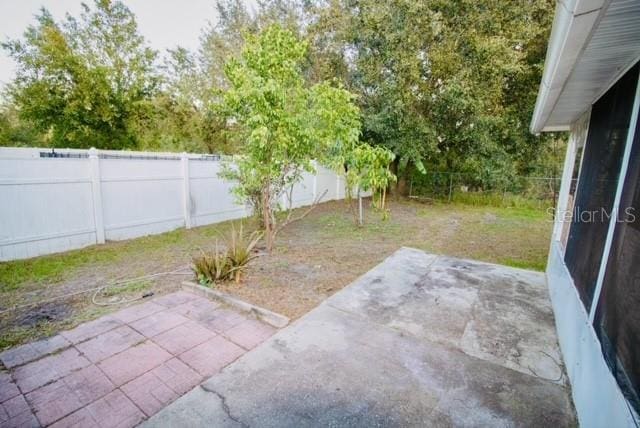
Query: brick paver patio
122, 368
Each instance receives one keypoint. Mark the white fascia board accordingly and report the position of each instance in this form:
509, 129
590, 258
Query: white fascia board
556, 128
573, 25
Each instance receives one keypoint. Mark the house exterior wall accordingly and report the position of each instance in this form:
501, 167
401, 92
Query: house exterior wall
597, 396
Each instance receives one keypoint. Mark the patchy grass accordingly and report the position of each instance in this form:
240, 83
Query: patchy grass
128, 288
313, 259
57, 268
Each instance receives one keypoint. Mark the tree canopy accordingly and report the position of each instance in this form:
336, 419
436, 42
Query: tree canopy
443, 84
84, 81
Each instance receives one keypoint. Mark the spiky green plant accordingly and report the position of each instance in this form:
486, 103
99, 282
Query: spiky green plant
239, 249
213, 266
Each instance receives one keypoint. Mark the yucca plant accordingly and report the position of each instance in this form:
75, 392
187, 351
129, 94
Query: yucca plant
239, 249
211, 267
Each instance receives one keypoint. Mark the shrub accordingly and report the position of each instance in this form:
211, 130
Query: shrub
239, 248
229, 263
211, 267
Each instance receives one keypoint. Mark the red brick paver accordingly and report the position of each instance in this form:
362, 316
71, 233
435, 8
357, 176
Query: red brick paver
222, 320
250, 333
58, 399
149, 393
157, 323
176, 299
184, 337
111, 411
209, 357
177, 375
16, 413
122, 368
133, 362
38, 373
110, 343
32, 351
91, 329
8, 389
136, 312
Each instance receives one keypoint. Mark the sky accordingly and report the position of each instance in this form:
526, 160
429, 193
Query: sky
164, 23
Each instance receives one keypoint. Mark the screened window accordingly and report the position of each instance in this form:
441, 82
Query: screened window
597, 184
617, 320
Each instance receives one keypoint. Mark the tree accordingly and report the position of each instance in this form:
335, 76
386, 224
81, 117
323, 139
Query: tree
16, 132
444, 84
85, 82
367, 169
283, 122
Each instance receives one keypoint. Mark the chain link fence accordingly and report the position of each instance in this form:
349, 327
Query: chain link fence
529, 191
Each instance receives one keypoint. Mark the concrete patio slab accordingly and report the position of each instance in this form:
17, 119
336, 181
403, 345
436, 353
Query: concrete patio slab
122, 368
420, 340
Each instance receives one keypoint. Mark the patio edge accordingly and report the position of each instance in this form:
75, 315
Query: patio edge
272, 318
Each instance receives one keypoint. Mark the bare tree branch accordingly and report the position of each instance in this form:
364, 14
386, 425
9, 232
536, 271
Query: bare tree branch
290, 220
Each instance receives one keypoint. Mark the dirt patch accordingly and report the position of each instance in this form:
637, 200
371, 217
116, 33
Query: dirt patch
44, 313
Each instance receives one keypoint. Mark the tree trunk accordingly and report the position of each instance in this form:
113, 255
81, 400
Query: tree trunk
404, 178
266, 218
360, 215
395, 169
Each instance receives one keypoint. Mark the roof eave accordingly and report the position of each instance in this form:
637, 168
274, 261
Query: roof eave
573, 25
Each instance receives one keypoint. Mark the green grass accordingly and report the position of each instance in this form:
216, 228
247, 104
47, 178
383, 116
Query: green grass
56, 268
530, 264
498, 200
131, 287
344, 226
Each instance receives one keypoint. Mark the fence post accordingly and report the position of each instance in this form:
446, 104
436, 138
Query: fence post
337, 186
186, 191
96, 192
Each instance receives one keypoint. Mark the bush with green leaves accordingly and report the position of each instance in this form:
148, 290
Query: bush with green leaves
367, 169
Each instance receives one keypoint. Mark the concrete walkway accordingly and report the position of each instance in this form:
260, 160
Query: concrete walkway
419, 340
122, 368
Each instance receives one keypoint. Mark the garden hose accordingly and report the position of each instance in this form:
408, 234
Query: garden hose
121, 300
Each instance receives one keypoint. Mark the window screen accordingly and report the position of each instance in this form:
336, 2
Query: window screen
597, 184
617, 321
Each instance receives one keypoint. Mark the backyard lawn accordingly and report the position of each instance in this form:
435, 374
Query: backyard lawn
312, 259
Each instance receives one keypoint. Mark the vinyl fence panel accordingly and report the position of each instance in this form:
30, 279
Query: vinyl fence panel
68, 199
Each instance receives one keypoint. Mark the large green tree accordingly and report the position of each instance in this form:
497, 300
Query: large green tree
84, 82
447, 85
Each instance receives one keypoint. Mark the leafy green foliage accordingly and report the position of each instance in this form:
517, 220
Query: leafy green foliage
368, 170
16, 132
446, 84
84, 82
283, 123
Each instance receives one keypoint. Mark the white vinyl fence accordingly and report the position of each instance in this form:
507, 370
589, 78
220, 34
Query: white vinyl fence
53, 201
